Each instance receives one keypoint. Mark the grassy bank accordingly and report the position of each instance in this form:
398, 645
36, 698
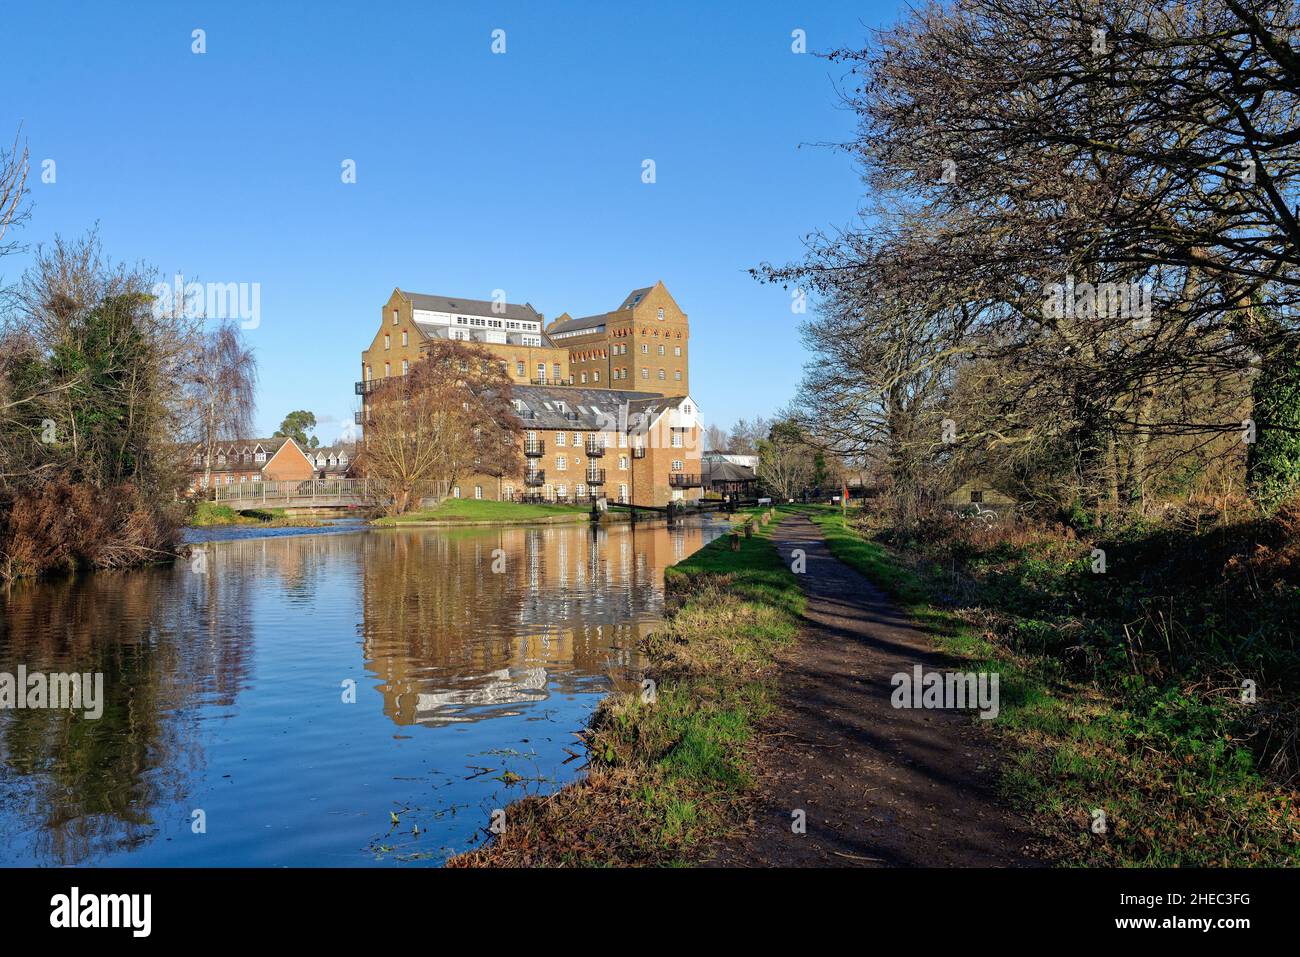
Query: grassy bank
1121, 691
209, 514
669, 775
469, 511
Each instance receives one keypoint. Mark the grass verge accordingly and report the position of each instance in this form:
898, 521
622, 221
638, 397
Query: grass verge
466, 511
669, 775
208, 514
1094, 722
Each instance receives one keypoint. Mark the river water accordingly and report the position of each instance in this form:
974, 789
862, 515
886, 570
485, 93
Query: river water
335, 697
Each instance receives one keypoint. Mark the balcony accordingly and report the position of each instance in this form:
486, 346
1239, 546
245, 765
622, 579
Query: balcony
595, 476
534, 448
534, 478
370, 385
684, 480
550, 381
595, 449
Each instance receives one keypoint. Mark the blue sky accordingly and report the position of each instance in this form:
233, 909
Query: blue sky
475, 171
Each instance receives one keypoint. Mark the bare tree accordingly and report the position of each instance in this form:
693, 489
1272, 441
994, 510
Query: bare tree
785, 463
1081, 255
220, 388
451, 416
13, 187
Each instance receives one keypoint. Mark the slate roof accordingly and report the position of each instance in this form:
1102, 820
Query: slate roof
722, 471
590, 410
472, 307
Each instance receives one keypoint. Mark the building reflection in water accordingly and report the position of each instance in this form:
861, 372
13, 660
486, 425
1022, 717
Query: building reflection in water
465, 624
222, 688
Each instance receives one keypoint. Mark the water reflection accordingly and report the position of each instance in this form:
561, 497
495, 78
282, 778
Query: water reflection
469, 647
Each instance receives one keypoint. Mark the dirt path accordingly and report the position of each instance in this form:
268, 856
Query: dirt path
881, 786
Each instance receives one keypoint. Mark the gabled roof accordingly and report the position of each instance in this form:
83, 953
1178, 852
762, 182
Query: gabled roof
635, 296
472, 307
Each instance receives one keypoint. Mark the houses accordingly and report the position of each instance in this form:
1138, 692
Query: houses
277, 459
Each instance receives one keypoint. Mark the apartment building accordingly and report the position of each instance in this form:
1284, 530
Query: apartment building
642, 346
602, 400
584, 444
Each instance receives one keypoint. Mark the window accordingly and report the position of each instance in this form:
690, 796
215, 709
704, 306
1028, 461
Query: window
976, 498
561, 438
661, 315
556, 368
388, 369
595, 377
622, 493
622, 440
678, 375
259, 457
520, 369
455, 493
645, 373
478, 491
406, 341
388, 342
405, 365
561, 462
367, 373
581, 491
584, 378
509, 491
677, 465
622, 463
686, 408
662, 375
577, 439
645, 348
661, 350
677, 350
394, 317
676, 441
561, 491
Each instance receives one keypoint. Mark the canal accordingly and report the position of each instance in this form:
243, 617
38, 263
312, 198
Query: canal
337, 697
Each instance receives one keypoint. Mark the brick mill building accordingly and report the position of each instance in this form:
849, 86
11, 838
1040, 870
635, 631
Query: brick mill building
602, 400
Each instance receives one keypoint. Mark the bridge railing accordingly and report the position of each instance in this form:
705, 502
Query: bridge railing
361, 489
